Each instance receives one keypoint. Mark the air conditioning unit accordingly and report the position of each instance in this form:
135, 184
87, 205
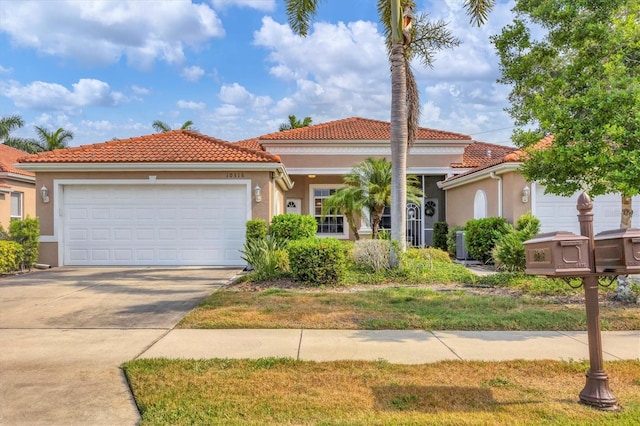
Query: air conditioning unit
461, 247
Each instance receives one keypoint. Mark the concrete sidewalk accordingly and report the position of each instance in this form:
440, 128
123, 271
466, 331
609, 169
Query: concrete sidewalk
395, 346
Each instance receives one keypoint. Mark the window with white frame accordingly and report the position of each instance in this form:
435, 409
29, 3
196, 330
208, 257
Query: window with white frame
16, 205
329, 225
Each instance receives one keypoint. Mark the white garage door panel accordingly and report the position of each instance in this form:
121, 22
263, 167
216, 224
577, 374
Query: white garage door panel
154, 225
560, 213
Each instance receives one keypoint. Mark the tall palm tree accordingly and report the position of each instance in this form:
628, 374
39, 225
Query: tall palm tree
407, 38
11, 123
50, 140
294, 123
161, 126
368, 186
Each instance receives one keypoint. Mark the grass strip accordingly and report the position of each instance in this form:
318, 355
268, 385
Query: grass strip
398, 308
272, 391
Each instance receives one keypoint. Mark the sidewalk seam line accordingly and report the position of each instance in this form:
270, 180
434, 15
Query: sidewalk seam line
446, 346
150, 345
299, 344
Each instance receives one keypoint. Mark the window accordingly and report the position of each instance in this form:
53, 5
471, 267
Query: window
331, 224
16, 205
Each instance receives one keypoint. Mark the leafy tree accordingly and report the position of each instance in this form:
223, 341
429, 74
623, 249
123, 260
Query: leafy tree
9, 124
580, 82
161, 126
53, 140
368, 186
294, 123
407, 38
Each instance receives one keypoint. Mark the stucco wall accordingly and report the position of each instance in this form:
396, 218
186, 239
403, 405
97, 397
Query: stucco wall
28, 203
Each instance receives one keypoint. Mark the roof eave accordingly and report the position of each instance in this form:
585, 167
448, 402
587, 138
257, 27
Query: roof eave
498, 169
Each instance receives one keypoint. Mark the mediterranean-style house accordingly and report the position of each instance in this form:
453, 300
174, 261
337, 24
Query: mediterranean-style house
17, 187
183, 198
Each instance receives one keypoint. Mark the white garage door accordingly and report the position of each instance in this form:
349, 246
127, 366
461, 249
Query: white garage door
560, 213
154, 224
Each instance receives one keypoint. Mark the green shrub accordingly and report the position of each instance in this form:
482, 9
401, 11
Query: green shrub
290, 226
527, 226
451, 239
4, 235
268, 258
317, 261
26, 232
440, 231
384, 234
256, 229
508, 253
481, 236
372, 254
11, 255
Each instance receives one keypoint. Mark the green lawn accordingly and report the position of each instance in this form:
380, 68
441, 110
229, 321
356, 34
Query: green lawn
397, 308
287, 392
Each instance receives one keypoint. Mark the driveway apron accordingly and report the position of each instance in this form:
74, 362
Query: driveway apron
64, 333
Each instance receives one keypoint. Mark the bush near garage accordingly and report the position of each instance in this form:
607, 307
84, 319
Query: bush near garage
11, 255
317, 261
481, 236
26, 233
508, 254
290, 226
256, 229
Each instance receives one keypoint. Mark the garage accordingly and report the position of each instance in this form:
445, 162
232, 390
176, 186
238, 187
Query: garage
154, 224
560, 213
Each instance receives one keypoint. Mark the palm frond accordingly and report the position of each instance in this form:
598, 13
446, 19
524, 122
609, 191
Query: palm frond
299, 15
478, 10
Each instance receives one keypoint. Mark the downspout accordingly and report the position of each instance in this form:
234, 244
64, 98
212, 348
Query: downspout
499, 179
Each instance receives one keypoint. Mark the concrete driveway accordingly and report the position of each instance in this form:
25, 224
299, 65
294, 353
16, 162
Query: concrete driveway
64, 333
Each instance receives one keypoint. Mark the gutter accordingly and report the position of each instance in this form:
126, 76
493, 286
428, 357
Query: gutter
493, 175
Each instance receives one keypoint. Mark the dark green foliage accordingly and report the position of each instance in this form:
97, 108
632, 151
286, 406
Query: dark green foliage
11, 255
289, 226
508, 253
451, 239
4, 235
317, 261
26, 232
256, 229
440, 230
481, 236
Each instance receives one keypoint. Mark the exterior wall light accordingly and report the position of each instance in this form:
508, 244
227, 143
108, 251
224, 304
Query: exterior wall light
44, 193
525, 194
257, 194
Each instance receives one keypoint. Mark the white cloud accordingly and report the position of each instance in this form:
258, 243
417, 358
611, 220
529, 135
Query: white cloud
140, 90
262, 5
4, 70
192, 73
191, 105
100, 33
55, 97
239, 96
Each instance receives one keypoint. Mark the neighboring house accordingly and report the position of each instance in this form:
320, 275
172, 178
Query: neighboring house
17, 187
496, 188
172, 198
319, 155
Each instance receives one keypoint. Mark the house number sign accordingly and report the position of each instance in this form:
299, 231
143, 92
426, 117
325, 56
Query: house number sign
235, 175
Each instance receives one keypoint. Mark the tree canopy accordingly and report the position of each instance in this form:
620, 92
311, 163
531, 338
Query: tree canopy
295, 123
10, 123
580, 82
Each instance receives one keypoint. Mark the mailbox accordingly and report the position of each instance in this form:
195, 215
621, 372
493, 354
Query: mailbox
618, 251
559, 253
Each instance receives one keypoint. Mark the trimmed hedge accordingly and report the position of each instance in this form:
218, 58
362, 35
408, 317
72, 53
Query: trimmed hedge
11, 255
290, 226
451, 239
317, 261
440, 230
26, 232
256, 229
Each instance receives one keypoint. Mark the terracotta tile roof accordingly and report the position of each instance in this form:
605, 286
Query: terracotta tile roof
253, 143
479, 153
8, 157
355, 128
512, 155
181, 146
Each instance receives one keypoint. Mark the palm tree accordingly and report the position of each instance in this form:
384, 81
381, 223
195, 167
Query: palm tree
368, 186
53, 140
161, 126
11, 123
294, 123
407, 38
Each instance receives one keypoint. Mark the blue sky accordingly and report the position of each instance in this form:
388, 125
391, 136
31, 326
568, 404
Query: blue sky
108, 69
